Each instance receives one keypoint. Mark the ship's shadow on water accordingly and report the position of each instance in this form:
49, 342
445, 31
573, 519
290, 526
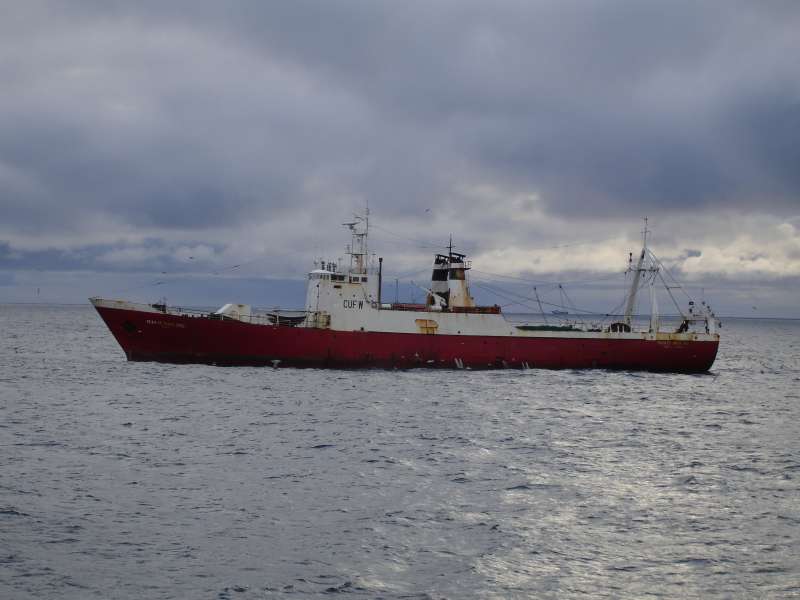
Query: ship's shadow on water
148, 480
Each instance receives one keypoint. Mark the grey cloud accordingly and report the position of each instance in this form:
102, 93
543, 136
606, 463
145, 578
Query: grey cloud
151, 256
203, 115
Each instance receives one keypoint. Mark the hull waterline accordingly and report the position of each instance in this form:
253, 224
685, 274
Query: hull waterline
164, 337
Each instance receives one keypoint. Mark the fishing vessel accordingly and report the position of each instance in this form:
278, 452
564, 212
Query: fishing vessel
346, 323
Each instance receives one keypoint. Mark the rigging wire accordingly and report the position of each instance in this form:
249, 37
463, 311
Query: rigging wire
526, 299
418, 242
666, 287
512, 301
568, 300
671, 276
539, 302
427, 244
546, 283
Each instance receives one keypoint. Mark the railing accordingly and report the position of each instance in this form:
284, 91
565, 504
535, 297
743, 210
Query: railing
290, 319
481, 310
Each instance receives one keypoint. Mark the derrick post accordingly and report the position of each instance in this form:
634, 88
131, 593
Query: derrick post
380, 279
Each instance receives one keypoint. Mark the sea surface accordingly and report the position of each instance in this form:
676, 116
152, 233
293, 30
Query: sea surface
143, 480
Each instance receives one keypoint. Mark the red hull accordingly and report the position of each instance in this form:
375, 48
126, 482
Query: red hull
183, 339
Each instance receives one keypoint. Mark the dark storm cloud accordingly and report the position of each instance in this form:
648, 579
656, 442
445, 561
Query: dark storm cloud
156, 124
598, 107
199, 115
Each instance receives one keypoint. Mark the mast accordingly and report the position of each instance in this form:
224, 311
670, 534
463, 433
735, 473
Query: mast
358, 249
647, 266
637, 275
653, 305
380, 279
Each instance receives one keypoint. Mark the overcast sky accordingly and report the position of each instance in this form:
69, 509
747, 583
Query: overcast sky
143, 138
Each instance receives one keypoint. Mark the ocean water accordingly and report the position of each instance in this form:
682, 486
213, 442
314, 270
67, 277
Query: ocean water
141, 480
